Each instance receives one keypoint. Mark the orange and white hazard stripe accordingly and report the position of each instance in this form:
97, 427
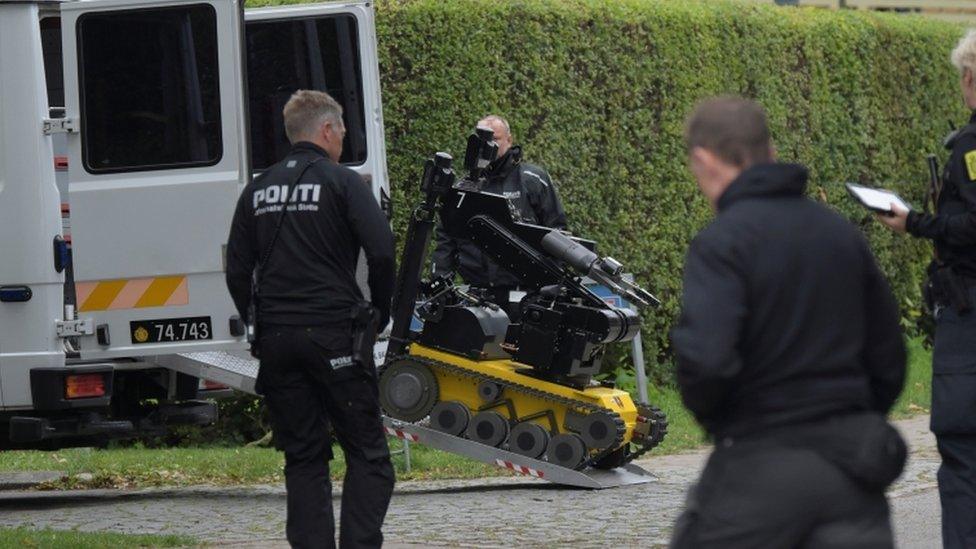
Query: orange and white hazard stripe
520, 469
401, 434
134, 293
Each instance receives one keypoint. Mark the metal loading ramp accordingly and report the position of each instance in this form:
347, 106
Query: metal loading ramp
587, 478
235, 370
239, 371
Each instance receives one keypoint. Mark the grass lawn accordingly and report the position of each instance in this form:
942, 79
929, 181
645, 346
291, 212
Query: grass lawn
67, 539
142, 467
916, 397
684, 433
139, 467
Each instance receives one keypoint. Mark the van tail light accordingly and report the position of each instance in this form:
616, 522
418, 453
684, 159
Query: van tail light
84, 386
207, 385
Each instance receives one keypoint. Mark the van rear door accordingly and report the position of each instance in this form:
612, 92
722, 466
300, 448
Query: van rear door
156, 149
158, 156
325, 47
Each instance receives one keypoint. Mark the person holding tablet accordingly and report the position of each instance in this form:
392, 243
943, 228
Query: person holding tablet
951, 295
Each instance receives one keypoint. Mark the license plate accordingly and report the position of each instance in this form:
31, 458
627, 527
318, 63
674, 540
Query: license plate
166, 330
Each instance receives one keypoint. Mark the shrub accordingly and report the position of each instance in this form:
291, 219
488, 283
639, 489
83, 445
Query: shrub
597, 92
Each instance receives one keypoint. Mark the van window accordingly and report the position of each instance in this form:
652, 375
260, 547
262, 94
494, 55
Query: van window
149, 89
312, 53
53, 70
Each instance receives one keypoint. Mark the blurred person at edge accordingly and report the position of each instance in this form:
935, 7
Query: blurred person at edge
950, 295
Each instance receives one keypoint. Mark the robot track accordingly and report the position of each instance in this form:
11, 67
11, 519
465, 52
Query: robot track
495, 403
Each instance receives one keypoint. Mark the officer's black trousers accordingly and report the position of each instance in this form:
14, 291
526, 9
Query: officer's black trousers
954, 423
308, 381
760, 494
957, 490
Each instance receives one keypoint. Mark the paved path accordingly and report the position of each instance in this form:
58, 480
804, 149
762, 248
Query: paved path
497, 512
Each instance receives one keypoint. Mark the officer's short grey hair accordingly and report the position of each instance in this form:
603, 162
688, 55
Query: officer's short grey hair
500, 120
964, 56
306, 111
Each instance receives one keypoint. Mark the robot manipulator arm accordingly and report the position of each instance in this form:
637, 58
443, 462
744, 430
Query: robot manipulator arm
606, 270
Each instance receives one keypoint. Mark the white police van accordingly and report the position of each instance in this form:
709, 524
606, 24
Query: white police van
127, 130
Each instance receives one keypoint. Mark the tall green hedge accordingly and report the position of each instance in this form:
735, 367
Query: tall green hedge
597, 92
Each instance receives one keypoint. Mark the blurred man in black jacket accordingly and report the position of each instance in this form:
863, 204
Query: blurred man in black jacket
789, 353
302, 224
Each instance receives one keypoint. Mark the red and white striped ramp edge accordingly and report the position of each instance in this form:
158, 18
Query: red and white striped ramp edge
518, 468
402, 434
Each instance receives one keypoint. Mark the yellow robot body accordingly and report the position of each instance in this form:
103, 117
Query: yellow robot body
594, 425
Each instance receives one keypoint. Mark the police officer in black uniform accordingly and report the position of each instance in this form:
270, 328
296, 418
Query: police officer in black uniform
530, 188
305, 256
951, 293
789, 354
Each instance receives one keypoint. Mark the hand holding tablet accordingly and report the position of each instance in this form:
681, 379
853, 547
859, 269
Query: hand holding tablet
876, 200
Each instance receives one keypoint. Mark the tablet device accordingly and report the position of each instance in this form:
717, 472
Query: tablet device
877, 200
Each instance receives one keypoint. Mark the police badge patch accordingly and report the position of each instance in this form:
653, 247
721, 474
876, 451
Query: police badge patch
970, 158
